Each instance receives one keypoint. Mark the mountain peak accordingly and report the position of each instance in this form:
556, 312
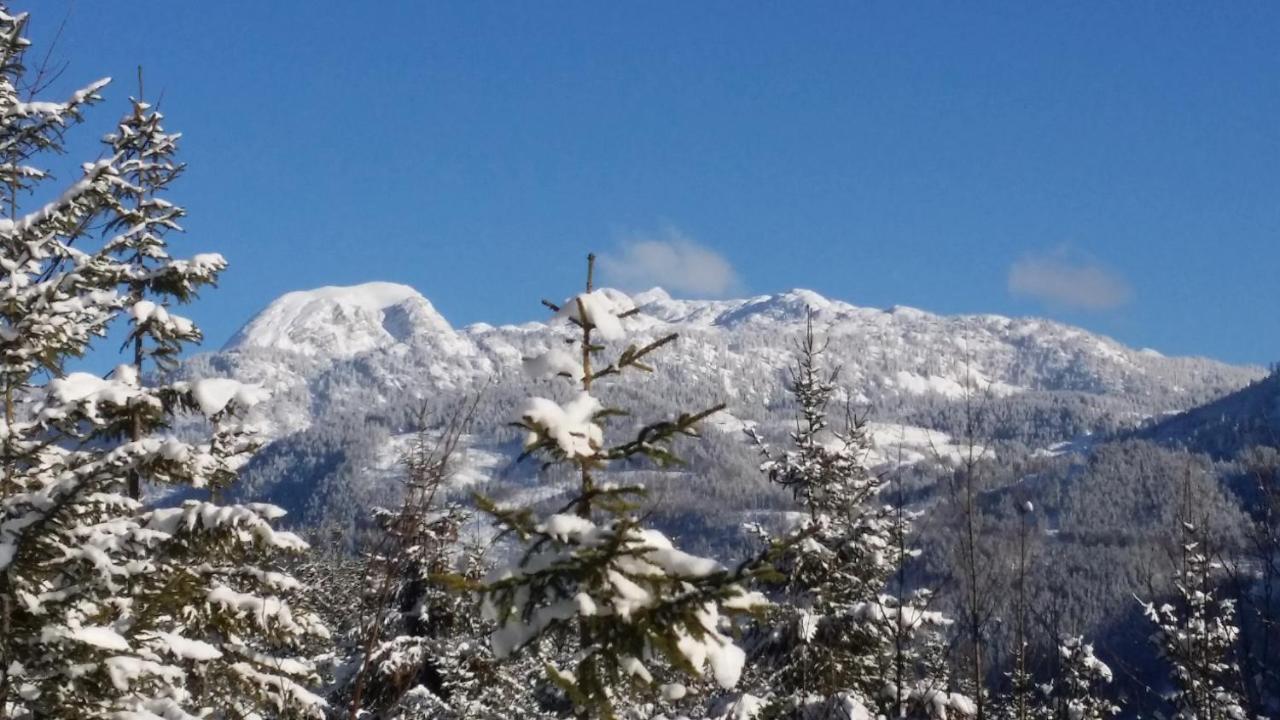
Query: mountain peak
808, 297
788, 307
653, 294
340, 321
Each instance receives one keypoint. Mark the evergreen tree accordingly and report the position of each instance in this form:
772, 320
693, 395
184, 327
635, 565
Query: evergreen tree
1079, 692
1196, 634
55, 299
835, 636
641, 612
145, 157
108, 607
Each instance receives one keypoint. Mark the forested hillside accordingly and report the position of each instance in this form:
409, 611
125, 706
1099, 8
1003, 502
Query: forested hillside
1227, 426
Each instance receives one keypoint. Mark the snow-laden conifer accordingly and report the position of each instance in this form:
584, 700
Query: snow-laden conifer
54, 298
109, 607
836, 636
640, 611
1196, 633
145, 156
1080, 690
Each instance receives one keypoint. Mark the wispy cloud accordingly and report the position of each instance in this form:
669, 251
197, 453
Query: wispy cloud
672, 260
1066, 279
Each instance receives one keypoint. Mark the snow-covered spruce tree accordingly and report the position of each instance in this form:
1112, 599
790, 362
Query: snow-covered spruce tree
641, 612
835, 637
419, 648
215, 585
1196, 633
109, 608
1080, 690
53, 300
145, 157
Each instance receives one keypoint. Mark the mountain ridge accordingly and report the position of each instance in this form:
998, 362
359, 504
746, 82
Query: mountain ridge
296, 312
354, 349
346, 381
1226, 426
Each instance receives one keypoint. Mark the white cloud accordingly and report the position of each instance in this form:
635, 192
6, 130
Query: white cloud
1063, 279
672, 261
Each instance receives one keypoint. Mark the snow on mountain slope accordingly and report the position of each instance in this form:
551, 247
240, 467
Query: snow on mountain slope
1250, 416
341, 322
378, 343
351, 367
787, 307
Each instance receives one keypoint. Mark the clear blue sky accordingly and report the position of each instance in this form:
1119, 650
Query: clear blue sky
881, 153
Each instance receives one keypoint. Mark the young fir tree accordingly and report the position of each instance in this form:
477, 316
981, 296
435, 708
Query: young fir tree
836, 637
1079, 691
109, 608
1196, 634
145, 157
641, 612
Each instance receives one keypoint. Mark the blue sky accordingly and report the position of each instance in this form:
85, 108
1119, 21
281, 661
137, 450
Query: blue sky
1114, 165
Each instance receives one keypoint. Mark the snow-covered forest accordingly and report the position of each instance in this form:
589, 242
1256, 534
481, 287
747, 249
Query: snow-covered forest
641, 508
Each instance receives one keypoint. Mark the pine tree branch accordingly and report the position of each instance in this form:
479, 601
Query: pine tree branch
631, 357
660, 432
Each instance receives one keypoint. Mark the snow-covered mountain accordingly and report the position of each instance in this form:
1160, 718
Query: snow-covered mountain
923, 353
349, 367
340, 322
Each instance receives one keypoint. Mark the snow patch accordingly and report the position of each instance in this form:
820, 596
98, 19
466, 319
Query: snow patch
101, 636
